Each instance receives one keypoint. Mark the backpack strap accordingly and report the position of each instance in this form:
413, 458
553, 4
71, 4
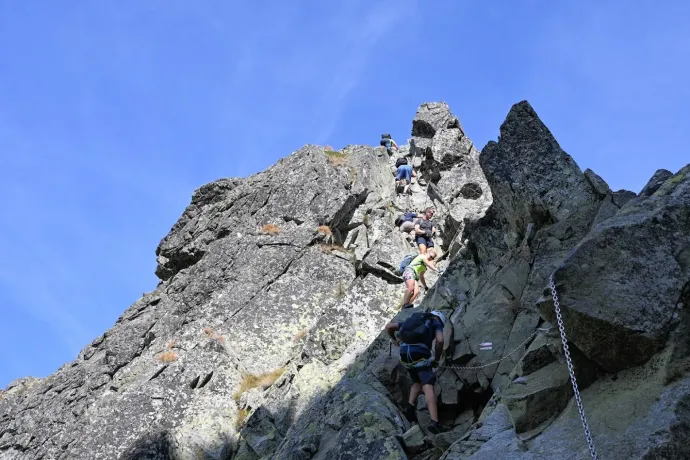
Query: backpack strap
424, 362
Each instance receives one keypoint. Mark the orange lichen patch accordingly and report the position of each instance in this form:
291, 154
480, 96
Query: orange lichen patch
250, 381
167, 356
327, 248
324, 230
270, 229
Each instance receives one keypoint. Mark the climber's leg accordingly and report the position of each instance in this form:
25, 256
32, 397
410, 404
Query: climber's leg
430, 398
415, 293
421, 241
410, 409
410, 286
414, 393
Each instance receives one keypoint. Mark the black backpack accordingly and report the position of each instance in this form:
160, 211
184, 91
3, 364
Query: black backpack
385, 136
399, 220
400, 161
417, 329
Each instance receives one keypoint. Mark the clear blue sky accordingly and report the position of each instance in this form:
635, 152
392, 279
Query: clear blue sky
112, 113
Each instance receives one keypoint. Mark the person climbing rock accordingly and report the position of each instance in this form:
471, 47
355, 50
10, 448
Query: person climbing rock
405, 172
406, 222
415, 272
388, 142
415, 337
403, 187
424, 229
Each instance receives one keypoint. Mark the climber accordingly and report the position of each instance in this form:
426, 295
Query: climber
415, 338
387, 142
402, 187
405, 172
415, 272
407, 221
424, 229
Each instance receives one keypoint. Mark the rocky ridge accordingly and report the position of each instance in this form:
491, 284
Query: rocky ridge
263, 338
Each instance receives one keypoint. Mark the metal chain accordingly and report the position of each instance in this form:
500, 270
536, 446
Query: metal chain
566, 352
474, 368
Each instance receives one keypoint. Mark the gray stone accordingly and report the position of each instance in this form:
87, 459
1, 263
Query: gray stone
448, 386
621, 197
606, 210
600, 186
530, 176
656, 181
641, 251
261, 434
360, 421
431, 117
545, 393
414, 438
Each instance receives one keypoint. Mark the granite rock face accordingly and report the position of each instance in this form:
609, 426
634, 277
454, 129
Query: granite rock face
457, 187
263, 338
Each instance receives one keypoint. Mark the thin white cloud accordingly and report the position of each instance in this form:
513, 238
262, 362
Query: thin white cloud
361, 33
312, 60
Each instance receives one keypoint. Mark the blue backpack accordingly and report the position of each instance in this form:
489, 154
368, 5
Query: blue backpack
406, 261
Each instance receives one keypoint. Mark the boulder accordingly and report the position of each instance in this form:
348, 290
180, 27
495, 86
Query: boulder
414, 439
431, 117
360, 422
531, 178
598, 184
656, 181
544, 393
619, 287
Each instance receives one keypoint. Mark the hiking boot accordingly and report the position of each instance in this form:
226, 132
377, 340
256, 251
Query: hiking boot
434, 427
410, 412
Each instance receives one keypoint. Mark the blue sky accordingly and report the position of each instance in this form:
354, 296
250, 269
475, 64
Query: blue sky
112, 113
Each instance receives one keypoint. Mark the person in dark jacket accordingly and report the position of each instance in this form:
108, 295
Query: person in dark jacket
417, 358
424, 229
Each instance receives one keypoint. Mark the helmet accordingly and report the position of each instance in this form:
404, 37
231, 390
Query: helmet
440, 315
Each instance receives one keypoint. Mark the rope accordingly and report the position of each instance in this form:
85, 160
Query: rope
573, 380
482, 366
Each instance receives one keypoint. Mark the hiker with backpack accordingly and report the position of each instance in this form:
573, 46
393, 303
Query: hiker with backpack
415, 337
403, 176
424, 229
415, 272
388, 142
406, 222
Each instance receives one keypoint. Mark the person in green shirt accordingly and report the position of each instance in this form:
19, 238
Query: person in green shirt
387, 142
415, 272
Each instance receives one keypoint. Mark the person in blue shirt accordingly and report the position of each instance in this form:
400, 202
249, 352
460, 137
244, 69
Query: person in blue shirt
423, 329
403, 179
405, 172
